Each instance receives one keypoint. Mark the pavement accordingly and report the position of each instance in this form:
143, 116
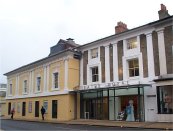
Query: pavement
141, 125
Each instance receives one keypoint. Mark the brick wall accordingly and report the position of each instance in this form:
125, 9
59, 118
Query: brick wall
143, 49
102, 59
120, 55
111, 61
168, 37
85, 63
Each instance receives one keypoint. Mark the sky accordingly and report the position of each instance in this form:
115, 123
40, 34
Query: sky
28, 28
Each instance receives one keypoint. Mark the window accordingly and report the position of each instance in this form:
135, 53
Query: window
38, 83
133, 67
95, 75
30, 107
25, 86
18, 107
132, 43
94, 53
55, 80
45, 105
165, 99
10, 90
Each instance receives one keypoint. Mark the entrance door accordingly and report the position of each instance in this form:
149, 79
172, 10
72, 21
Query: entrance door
23, 108
37, 109
9, 108
151, 109
54, 108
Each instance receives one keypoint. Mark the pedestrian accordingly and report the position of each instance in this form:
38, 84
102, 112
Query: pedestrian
12, 113
43, 112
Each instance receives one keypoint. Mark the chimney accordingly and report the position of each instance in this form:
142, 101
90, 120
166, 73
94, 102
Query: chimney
121, 27
70, 40
163, 12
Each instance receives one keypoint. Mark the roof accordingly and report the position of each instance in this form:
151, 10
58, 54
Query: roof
39, 62
127, 31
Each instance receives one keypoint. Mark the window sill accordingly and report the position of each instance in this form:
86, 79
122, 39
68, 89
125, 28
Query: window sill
10, 95
37, 92
134, 78
55, 89
24, 93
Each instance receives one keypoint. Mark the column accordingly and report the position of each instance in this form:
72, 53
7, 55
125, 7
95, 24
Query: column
81, 72
124, 62
162, 55
150, 56
30, 82
17, 84
45, 78
115, 62
47, 74
66, 75
107, 65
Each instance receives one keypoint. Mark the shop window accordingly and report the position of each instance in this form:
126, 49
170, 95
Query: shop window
30, 107
95, 75
45, 105
25, 86
18, 107
55, 80
94, 53
38, 83
133, 67
132, 43
165, 99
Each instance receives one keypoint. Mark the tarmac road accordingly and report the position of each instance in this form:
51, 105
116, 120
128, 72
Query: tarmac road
16, 125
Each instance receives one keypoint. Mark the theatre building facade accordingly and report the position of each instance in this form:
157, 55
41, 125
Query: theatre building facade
129, 76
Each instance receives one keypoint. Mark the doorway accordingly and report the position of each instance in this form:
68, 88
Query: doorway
23, 108
9, 108
36, 108
54, 108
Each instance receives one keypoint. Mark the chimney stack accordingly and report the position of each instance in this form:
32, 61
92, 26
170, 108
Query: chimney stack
121, 27
163, 12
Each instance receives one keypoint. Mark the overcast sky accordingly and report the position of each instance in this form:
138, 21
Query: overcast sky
28, 28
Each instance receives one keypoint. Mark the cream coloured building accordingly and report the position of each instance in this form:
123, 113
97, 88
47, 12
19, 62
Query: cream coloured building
47, 83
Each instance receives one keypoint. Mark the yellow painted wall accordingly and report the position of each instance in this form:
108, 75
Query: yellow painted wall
22, 77
73, 73
65, 107
12, 81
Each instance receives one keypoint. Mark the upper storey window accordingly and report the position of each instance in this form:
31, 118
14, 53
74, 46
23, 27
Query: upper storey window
132, 43
25, 86
133, 67
10, 90
55, 80
38, 83
94, 53
95, 74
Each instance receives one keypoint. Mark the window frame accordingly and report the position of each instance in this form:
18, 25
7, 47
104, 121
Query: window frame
38, 77
162, 103
25, 86
57, 82
132, 43
134, 68
10, 89
95, 75
45, 105
94, 53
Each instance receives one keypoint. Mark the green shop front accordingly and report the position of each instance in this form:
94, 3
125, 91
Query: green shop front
124, 103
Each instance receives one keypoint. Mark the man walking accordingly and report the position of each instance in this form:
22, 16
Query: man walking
42, 112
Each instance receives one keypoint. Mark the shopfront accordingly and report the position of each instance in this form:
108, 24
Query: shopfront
118, 103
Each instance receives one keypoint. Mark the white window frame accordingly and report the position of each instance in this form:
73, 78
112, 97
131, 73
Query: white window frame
94, 74
10, 89
133, 68
36, 90
30, 107
18, 107
53, 79
45, 105
131, 45
25, 86
93, 56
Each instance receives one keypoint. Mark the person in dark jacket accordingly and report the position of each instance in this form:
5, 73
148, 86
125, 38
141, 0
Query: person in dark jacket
43, 112
12, 113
